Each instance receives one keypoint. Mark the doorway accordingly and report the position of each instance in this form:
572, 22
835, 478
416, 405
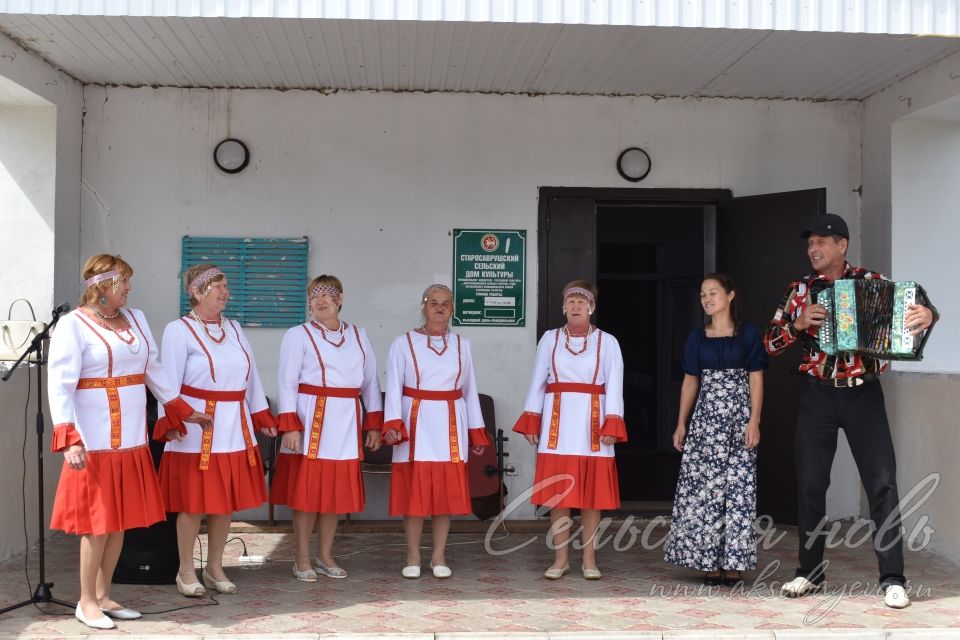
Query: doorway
647, 250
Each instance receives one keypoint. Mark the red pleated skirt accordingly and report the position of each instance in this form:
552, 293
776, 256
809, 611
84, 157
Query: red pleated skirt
115, 491
229, 484
318, 486
576, 482
429, 489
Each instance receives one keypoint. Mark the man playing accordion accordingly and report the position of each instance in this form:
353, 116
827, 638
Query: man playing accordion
843, 390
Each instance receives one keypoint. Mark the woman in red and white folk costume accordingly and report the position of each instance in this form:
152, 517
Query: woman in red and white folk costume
213, 471
326, 367
432, 416
574, 413
100, 358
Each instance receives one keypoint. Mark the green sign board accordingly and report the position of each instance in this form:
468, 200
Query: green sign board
489, 273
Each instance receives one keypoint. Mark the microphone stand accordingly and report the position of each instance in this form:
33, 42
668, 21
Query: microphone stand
43, 592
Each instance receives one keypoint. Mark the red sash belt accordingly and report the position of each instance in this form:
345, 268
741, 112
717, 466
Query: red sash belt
316, 426
450, 397
595, 391
212, 398
113, 398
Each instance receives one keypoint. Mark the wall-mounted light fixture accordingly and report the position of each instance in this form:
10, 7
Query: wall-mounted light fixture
231, 156
633, 164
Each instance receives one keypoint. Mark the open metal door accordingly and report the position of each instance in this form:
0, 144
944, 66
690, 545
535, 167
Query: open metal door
759, 244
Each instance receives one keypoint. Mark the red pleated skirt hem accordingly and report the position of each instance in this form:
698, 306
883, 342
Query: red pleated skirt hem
576, 482
429, 488
115, 491
318, 486
229, 484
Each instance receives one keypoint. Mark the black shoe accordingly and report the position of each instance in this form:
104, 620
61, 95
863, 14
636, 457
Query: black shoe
730, 580
713, 579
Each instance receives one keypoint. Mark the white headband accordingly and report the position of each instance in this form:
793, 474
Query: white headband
100, 277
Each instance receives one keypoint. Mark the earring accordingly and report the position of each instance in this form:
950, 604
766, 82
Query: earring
103, 301
116, 285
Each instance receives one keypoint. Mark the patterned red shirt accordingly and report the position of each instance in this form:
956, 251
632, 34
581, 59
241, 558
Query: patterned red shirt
781, 332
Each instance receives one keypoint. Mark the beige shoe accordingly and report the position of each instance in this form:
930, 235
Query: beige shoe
591, 574
192, 590
304, 576
330, 572
799, 587
222, 586
556, 574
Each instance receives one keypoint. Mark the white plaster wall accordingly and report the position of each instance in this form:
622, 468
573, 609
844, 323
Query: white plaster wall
54, 272
27, 185
377, 181
925, 191
921, 407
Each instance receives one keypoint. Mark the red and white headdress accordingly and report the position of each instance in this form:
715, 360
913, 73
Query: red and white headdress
202, 280
579, 291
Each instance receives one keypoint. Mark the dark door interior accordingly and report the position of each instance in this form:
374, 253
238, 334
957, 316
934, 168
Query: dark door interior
650, 259
759, 244
647, 250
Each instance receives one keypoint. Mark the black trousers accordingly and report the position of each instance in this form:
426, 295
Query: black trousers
860, 412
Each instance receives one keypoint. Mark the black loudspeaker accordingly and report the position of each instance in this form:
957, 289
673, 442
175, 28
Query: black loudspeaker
149, 555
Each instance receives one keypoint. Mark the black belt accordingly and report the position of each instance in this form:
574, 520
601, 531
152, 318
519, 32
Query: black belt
843, 383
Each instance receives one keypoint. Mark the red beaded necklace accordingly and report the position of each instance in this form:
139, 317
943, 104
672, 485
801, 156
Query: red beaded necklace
101, 320
323, 333
203, 325
567, 336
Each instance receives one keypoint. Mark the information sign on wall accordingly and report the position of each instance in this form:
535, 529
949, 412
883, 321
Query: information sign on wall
489, 273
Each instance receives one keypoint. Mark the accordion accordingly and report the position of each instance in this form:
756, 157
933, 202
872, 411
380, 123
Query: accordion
868, 316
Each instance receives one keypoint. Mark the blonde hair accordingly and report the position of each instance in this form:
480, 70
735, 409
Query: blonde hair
326, 280
95, 265
190, 274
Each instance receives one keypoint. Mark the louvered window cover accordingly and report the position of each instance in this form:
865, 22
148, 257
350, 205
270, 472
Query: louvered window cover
267, 277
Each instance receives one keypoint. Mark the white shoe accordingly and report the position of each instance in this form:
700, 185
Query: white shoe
103, 622
411, 571
895, 597
441, 570
122, 614
798, 587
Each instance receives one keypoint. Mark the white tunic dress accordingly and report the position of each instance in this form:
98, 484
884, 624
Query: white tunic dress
323, 377
431, 399
575, 398
98, 399
219, 471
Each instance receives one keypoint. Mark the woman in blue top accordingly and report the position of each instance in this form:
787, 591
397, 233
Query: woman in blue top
715, 503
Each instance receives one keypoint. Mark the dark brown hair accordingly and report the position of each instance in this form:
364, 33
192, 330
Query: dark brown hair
726, 283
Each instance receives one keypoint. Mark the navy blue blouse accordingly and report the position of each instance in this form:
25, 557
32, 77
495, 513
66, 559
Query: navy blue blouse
742, 351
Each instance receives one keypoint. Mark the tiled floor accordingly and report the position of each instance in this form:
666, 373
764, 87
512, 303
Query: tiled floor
639, 595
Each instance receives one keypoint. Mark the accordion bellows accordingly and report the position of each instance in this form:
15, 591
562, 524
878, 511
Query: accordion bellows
867, 316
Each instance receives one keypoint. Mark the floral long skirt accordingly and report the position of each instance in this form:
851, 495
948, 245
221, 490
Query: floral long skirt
715, 504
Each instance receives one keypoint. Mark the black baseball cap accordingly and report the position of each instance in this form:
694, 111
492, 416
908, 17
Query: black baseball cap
828, 224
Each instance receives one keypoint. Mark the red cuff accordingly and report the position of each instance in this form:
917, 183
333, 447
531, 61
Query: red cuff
399, 427
528, 424
614, 426
64, 435
290, 421
373, 421
175, 411
479, 437
263, 420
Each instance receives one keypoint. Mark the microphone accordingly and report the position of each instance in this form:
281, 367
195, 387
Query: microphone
59, 311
